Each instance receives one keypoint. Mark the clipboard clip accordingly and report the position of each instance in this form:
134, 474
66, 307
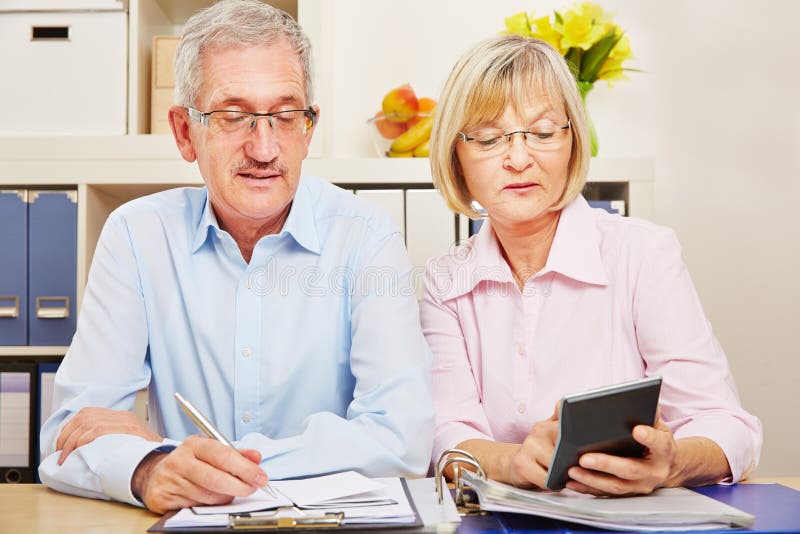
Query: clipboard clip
465, 505
285, 517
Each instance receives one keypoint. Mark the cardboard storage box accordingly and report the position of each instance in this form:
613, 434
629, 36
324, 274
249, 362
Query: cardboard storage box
163, 82
64, 71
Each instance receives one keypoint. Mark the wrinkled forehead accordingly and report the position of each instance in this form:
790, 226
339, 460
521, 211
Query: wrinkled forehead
528, 94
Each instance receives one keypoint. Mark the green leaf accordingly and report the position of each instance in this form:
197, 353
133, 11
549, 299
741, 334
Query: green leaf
559, 18
593, 58
584, 88
573, 57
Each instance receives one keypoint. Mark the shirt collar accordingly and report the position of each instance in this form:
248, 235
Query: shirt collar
300, 224
208, 220
575, 252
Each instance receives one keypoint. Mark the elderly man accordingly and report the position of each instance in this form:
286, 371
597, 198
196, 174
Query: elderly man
279, 305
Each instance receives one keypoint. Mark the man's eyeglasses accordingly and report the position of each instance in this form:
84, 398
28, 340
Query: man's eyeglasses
542, 137
282, 123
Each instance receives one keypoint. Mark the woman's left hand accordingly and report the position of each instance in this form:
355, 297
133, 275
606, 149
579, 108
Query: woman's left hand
604, 474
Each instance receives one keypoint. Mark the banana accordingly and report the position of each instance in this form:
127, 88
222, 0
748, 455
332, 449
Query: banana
423, 150
414, 136
393, 154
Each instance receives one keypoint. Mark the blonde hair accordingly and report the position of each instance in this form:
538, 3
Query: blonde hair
499, 71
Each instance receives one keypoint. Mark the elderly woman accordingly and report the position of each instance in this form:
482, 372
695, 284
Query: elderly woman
552, 297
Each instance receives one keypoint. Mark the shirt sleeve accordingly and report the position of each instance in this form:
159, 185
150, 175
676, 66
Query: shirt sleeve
104, 366
698, 395
389, 423
459, 412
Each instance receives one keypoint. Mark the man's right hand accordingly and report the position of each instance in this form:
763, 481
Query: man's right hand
200, 471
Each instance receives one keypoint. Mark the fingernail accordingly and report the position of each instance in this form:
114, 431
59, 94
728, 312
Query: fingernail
640, 433
261, 480
588, 461
572, 472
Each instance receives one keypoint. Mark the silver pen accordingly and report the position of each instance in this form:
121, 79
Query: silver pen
208, 428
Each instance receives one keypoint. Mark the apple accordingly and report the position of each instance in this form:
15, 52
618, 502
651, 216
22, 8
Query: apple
426, 106
400, 104
387, 128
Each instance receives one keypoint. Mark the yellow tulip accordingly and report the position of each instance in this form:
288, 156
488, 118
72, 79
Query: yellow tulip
580, 30
622, 51
518, 24
543, 29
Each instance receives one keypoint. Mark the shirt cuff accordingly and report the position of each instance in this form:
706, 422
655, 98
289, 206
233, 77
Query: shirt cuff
738, 442
116, 469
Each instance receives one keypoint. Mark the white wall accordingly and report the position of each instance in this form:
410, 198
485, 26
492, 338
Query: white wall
717, 109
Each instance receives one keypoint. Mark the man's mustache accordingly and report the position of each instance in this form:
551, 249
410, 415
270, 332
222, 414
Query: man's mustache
255, 165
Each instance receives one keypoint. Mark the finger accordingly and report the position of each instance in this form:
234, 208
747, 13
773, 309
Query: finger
69, 445
532, 461
202, 496
182, 473
529, 472
603, 483
660, 425
252, 455
657, 441
556, 411
230, 461
574, 485
215, 480
618, 466
68, 428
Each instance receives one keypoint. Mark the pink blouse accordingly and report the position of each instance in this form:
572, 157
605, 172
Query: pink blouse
613, 303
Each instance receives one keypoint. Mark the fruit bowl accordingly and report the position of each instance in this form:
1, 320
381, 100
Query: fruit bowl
410, 134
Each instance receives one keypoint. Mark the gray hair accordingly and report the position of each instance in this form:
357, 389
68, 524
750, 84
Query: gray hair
235, 23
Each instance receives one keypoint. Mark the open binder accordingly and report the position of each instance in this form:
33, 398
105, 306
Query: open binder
289, 518
666, 509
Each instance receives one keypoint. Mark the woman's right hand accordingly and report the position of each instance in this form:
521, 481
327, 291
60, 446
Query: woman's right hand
527, 465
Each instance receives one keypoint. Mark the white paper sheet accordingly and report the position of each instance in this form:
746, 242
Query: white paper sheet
329, 488
363, 500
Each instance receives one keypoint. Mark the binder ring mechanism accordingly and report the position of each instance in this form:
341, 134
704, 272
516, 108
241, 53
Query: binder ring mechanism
456, 457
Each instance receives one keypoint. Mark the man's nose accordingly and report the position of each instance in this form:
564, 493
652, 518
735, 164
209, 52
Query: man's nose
262, 143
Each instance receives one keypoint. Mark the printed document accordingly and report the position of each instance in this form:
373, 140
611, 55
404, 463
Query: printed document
361, 499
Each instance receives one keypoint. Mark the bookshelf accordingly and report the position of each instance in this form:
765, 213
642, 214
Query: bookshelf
107, 171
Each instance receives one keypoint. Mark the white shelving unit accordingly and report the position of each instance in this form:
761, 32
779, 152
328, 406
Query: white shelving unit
108, 171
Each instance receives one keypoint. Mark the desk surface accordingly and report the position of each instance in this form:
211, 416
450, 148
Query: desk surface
34, 509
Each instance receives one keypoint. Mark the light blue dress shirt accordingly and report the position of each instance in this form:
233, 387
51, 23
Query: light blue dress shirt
312, 353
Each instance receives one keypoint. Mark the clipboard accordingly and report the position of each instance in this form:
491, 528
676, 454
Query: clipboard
282, 521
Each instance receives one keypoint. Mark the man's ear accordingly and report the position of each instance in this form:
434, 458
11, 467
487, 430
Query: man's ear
310, 133
180, 123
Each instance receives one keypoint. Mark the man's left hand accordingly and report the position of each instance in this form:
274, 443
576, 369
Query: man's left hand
604, 474
91, 423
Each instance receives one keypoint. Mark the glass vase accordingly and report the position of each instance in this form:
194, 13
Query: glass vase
584, 88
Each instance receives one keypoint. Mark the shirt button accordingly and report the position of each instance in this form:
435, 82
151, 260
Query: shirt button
521, 408
246, 352
247, 417
520, 351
